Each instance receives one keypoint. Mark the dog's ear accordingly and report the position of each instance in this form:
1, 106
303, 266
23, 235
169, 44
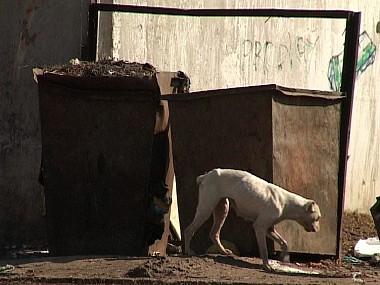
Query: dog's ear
311, 207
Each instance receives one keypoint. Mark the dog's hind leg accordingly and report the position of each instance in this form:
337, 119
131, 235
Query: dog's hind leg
274, 235
220, 214
203, 212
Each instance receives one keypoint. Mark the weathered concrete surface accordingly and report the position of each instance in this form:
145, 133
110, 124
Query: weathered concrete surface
33, 33
219, 52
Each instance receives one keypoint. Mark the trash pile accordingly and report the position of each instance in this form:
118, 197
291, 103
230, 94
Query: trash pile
6, 268
104, 68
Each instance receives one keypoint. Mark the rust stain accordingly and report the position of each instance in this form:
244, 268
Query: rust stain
25, 38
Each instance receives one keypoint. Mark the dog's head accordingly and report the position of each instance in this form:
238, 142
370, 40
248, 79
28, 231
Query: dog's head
310, 221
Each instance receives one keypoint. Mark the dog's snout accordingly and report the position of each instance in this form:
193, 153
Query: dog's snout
315, 228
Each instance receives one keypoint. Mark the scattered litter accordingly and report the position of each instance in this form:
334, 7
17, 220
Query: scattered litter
280, 267
352, 259
6, 268
375, 260
367, 247
25, 253
173, 249
355, 278
155, 253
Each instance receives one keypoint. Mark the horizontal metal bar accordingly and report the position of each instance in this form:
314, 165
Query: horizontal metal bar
285, 13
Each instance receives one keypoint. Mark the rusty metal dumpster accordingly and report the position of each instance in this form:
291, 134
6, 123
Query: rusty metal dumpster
97, 138
289, 137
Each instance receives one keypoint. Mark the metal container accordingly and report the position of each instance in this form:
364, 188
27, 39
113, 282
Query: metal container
287, 136
97, 138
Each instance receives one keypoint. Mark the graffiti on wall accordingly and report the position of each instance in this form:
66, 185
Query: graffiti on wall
268, 55
366, 57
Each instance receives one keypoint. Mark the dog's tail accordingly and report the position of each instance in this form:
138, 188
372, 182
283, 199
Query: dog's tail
201, 178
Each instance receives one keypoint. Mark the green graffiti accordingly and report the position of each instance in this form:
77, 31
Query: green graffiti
366, 57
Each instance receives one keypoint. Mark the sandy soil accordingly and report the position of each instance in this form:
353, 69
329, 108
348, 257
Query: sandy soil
179, 269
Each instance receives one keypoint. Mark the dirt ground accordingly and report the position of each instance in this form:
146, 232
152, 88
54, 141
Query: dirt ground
206, 269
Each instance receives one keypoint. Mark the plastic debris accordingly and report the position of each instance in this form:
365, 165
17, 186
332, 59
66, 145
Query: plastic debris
173, 249
6, 268
352, 259
26, 253
356, 279
366, 248
280, 267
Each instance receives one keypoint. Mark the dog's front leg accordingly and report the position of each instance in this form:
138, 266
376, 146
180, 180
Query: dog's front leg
275, 236
260, 232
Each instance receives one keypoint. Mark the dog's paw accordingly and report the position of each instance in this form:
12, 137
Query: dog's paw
229, 252
268, 268
284, 257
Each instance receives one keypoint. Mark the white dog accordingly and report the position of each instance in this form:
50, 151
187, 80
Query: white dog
255, 200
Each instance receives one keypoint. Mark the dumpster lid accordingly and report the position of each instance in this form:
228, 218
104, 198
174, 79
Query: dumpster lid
258, 88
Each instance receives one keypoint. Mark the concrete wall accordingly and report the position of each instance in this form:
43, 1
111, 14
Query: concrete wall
227, 52
33, 33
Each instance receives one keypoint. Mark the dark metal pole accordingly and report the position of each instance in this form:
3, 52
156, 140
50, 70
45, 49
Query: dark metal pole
350, 59
93, 17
